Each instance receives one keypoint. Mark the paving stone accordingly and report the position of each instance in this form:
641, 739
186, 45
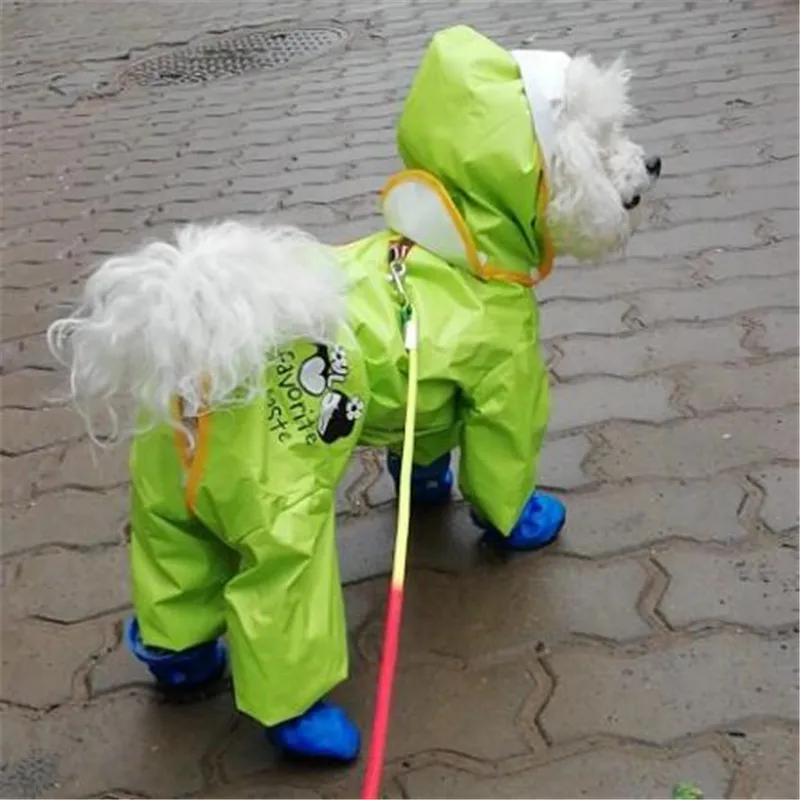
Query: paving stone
770, 764
67, 586
599, 773
725, 205
22, 474
117, 669
443, 539
757, 588
695, 236
718, 301
262, 788
24, 431
781, 332
698, 447
22, 323
437, 706
69, 752
40, 660
562, 317
594, 400
650, 350
608, 280
689, 687
70, 517
87, 467
614, 519
779, 258
561, 460
524, 603
780, 509
770, 385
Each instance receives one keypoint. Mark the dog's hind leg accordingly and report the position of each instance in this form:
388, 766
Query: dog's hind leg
179, 570
265, 481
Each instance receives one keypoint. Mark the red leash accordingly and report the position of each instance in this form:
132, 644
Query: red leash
380, 723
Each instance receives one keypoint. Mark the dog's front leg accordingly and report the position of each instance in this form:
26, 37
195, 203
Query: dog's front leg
504, 423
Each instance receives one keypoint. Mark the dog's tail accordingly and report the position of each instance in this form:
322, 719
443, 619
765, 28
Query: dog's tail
195, 320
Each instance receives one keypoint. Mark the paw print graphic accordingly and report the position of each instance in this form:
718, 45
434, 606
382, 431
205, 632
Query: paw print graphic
355, 408
338, 358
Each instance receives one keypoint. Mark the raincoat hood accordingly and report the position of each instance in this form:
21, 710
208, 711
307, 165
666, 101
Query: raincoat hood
475, 188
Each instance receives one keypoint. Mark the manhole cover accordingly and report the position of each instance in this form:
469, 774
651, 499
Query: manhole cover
232, 55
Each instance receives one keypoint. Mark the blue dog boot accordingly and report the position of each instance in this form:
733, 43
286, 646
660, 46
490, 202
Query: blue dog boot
324, 732
431, 485
540, 523
183, 671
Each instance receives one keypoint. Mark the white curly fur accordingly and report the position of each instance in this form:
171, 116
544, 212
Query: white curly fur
595, 167
197, 319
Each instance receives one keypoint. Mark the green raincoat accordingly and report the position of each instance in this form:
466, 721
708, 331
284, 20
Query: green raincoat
236, 534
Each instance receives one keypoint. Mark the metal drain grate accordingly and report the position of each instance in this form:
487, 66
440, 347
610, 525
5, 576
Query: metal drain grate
233, 55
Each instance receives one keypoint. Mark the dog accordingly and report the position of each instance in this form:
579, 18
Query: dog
258, 358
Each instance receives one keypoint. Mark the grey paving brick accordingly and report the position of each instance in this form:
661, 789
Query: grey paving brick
614, 279
779, 330
480, 730
758, 588
769, 755
603, 772
22, 474
698, 447
780, 483
82, 519
72, 753
89, 584
562, 317
561, 460
769, 385
587, 402
84, 466
719, 301
24, 430
41, 660
657, 697
649, 351
780, 258
615, 519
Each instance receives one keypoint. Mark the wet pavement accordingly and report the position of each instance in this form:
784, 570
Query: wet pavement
657, 642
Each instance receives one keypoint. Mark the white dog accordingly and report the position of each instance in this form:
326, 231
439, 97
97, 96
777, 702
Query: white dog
259, 358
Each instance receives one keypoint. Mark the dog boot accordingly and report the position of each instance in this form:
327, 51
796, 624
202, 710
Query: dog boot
182, 671
323, 732
431, 485
540, 523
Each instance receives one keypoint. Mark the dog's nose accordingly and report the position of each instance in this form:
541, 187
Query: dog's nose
653, 166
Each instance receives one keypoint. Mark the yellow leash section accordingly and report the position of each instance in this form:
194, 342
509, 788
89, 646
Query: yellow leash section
406, 465
394, 611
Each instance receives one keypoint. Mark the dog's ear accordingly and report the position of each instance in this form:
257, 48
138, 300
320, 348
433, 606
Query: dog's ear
597, 96
615, 80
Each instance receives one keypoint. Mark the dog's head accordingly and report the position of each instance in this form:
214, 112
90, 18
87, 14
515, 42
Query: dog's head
490, 124
598, 175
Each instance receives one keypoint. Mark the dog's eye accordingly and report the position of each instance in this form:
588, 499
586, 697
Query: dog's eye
633, 202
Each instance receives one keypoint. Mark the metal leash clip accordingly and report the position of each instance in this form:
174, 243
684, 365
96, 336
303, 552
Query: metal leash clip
397, 273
